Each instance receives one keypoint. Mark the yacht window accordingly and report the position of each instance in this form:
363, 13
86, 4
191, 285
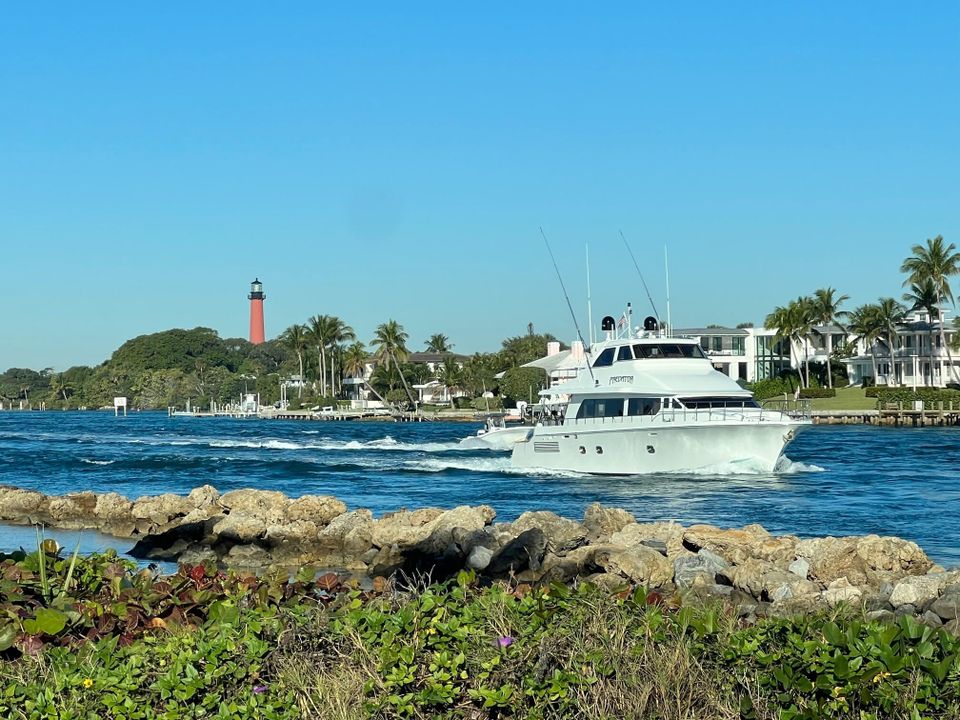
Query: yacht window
600, 407
624, 353
643, 406
606, 358
671, 350
718, 402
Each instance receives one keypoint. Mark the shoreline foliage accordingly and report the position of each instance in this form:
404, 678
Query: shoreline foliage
96, 637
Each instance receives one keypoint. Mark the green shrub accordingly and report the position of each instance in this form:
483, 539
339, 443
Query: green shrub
772, 387
480, 403
817, 392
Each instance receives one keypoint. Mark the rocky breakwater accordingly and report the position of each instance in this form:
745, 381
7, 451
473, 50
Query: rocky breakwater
758, 572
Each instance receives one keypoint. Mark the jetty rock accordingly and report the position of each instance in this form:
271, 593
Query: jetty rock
758, 571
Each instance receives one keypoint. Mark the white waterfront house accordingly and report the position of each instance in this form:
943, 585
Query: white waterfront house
918, 357
755, 353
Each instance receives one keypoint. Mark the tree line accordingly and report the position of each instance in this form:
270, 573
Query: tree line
928, 271
168, 368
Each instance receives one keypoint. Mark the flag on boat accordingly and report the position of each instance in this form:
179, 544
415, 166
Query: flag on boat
622, 322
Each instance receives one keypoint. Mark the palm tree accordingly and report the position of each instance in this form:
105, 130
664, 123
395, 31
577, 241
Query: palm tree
439, 343
295, 338
826, 311
340, 333
938, 263
863, 322
390, 341
923, 295
319, 330
355, 360
794, 323
890, 314
452, 375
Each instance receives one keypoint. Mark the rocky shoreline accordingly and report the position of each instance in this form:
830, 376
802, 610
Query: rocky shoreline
761, 573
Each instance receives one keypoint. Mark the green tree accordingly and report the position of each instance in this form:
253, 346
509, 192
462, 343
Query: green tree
452, 375
890, 314
936, 262
793, 324
517, 351
295, 338
439, 343
923, 296
522, 384
390, 341
864, 323
826, 311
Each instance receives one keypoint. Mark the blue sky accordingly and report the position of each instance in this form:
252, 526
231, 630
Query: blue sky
397, 162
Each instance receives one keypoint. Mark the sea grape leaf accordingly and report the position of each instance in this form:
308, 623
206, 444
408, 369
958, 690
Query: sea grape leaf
45, 620
8, 633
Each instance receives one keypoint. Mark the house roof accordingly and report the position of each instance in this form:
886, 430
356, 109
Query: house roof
712, 331
434, 357
562, 360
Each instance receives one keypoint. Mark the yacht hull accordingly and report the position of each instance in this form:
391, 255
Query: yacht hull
656, 448
499, 440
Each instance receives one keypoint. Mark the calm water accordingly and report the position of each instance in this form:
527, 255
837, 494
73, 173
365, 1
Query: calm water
840, 480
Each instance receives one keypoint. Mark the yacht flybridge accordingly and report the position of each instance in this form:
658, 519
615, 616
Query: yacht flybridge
648, 402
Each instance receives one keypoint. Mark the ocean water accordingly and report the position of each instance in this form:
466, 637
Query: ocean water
836, 480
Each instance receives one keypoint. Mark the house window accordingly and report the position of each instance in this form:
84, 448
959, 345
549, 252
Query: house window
739, 345
717, 344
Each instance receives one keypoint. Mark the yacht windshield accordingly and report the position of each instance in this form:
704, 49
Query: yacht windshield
718, 402
668, 350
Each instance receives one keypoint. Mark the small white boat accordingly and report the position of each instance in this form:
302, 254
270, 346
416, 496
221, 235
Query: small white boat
496, 435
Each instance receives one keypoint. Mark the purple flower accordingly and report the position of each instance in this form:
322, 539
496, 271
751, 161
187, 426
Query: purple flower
505, 641
259, 689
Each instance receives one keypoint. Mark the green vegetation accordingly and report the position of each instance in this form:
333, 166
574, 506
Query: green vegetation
96, 638
169, 368
928, 271
849, 398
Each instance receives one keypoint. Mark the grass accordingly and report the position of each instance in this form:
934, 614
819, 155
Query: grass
852, 398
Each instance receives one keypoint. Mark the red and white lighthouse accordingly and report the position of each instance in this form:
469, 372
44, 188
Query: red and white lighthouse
256, 311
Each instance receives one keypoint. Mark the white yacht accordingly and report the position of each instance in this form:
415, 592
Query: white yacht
649, 402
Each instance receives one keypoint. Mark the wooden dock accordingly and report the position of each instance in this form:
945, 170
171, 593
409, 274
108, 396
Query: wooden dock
897, 414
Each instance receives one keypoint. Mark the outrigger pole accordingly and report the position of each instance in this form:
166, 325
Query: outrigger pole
645, 288
566, 297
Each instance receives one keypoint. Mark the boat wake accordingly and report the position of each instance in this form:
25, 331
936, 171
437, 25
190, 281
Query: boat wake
88, 461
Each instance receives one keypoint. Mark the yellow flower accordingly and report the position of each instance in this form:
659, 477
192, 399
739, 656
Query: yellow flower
879, 677
87, 683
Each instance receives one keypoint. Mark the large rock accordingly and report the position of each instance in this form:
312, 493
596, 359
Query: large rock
669, 533
76, 510
736, 545
841, 591
640, 564
919, 590
525, 551
704, 566
317, 509
238, 528
562, 534
114, 514
157, 513
862, 560
345, 539
22, 506
765, 581
602, 522
268, 506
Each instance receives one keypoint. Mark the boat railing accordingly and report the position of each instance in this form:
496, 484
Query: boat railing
748, 411
794, 408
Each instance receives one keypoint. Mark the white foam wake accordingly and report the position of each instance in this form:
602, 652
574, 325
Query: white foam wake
97, 462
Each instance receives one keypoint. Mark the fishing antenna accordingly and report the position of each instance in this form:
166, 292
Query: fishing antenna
637, 266
567, 298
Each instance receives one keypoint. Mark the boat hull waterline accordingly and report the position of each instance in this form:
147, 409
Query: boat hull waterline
660, 448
